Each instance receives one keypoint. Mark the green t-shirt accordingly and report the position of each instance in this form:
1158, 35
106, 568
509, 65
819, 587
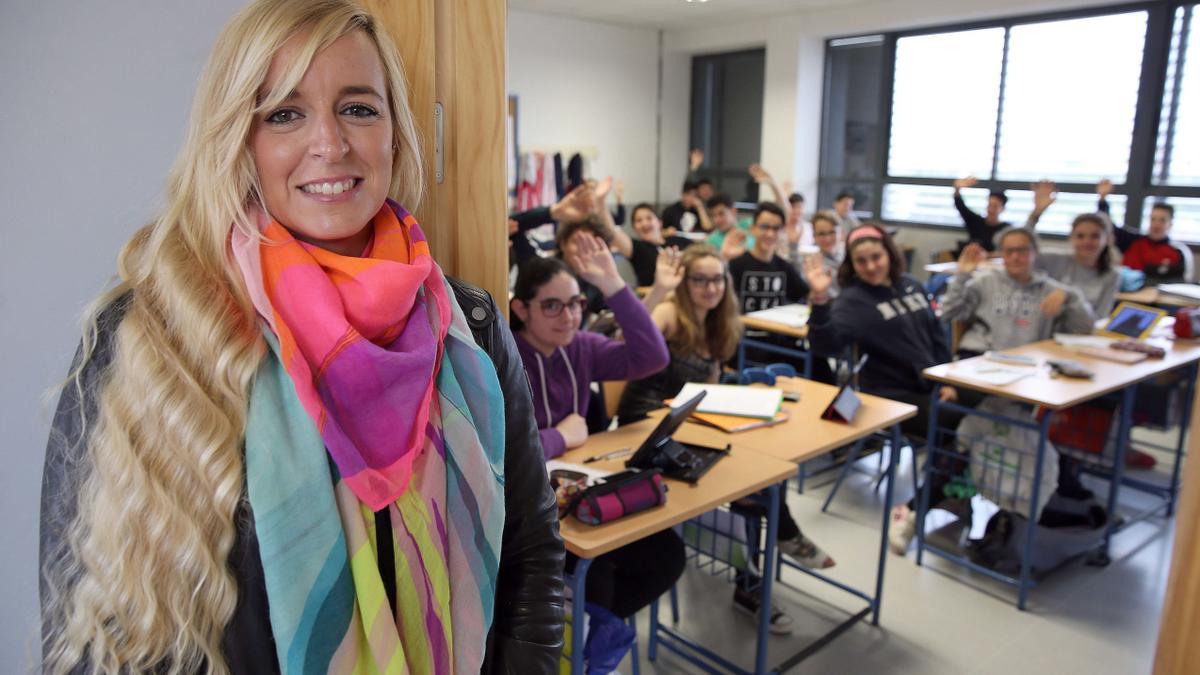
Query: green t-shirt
717, 238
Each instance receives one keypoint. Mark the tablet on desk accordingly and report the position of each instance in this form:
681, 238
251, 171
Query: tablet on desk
1131, 320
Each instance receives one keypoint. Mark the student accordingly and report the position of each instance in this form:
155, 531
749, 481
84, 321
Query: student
981, 229
700, 324
828, 236
1013, 306
705, 189
565, 241
843, 208
1090, 267
729, 236
799, 230
562, 362
649, 242
701, 328
1155, 254
887, 314
761, 278
687, 214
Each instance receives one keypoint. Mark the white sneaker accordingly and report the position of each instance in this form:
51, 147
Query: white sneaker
804, 551
902, 530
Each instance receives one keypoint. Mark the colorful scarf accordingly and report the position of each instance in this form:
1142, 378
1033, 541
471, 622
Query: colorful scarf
373, 366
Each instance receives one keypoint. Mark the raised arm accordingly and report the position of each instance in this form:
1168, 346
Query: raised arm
620, 239
827, 334
1045, 193
643, 351
1122, 237
668, 273
962, 294
975, 224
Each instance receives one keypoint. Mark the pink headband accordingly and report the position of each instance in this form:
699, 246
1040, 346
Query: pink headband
864, 232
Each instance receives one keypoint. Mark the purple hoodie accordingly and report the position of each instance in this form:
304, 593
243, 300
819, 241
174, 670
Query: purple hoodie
562, 381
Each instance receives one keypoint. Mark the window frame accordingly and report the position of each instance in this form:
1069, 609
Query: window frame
1140, 182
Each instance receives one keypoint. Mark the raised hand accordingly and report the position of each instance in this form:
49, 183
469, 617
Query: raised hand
759, 174
971, 257
1052, 304
668, 269
574, 206
601, 188
819, 279
695, 159
965, 182
1045, 193
589, 256
735, 244
1104, 188
620, 190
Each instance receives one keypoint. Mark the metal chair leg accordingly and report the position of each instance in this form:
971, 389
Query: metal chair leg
634, 660
853, 457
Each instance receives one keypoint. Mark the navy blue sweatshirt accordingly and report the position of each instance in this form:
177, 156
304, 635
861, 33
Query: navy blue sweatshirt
893, 324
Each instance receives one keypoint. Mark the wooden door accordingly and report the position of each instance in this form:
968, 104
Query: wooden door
1178, 648
454, 56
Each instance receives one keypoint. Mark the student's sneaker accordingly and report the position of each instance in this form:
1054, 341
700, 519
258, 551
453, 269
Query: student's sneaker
804, 551
903, 529
747, 602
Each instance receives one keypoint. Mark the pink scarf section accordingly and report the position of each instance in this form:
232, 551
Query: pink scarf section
361, 339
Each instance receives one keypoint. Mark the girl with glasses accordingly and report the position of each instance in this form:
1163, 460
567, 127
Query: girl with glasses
562, 361
1012, 306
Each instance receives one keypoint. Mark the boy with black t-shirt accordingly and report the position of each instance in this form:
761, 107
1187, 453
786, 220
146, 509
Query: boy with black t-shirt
761, 278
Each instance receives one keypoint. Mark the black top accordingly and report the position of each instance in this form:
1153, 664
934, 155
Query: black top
762, 285
894, 325
644, 257
977, 227
672, 216
642, 396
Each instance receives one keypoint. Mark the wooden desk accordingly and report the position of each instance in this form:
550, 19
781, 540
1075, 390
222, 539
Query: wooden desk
1058, 393
775, 327
739, 474
1054, 394
1152, 296
805, 435
731, 478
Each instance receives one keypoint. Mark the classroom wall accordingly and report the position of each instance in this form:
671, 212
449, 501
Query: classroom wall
96, 98
591, 84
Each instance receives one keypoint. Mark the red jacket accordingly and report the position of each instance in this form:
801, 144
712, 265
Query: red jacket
1156, 258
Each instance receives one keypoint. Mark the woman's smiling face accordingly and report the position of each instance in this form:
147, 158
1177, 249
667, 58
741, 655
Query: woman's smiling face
324, 155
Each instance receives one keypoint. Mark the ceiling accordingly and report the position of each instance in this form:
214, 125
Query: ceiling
673, 13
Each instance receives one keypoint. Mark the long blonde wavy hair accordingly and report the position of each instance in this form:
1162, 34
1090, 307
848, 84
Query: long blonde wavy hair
140, 580
719, 334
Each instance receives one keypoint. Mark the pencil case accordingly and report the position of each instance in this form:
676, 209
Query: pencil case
621, 495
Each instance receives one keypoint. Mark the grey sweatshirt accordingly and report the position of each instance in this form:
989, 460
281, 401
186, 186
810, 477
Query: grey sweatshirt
1002, 313
1100, 290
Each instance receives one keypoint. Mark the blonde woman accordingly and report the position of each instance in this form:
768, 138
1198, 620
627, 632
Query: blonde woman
281, 448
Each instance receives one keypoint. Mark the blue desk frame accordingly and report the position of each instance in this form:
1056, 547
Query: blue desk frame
690, 651
1116, 477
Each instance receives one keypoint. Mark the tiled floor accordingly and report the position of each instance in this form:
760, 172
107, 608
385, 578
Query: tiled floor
939, 618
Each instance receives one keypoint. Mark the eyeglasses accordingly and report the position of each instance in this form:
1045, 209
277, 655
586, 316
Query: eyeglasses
704, 282
768, 228
1016, 250
552, 307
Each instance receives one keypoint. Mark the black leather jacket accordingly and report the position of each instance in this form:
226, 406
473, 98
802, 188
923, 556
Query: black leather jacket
527, 631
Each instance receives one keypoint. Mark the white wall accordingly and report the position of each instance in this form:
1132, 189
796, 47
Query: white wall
95, 101
795, 45
584, 83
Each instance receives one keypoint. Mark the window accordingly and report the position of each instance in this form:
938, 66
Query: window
1178, 148
1070, 94
944, 110
934, 204
1074, 97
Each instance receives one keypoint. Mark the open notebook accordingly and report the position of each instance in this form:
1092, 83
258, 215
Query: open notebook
731, 399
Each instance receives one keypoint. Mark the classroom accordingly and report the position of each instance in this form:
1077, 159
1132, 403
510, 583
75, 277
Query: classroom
822, 336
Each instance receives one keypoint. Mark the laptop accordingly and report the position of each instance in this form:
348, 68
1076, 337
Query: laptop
682, 461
